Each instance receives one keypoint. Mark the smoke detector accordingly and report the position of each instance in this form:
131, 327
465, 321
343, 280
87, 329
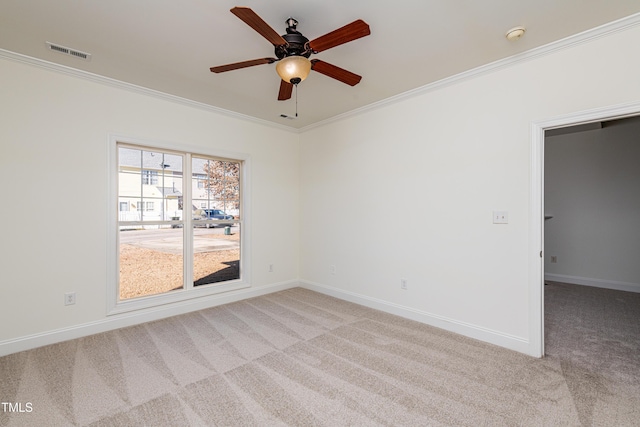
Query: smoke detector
515, 33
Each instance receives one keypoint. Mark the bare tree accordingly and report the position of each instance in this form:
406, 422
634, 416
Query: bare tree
223, 182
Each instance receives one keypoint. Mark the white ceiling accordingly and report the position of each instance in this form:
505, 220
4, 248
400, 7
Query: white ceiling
169, 45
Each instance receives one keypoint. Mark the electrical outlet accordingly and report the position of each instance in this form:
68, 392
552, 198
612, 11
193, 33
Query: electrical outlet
554, 259
403, 284
270, 268
69, 298
332, 269
500, 217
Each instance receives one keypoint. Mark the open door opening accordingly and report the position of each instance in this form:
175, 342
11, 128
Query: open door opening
541, 217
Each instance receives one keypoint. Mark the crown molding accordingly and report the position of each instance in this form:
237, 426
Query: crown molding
566, 43
548, 49
85, 75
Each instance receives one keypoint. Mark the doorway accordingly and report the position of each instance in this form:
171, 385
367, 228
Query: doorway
537, 212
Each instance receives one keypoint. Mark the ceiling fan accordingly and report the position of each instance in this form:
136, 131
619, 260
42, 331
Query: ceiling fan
292, 50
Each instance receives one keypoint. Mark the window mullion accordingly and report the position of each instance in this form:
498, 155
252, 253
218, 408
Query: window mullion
163, 186
141, 213
187, 221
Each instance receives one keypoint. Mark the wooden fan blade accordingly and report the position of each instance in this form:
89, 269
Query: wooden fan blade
254, 21
243, 64
285, 90
335, 72
348, 33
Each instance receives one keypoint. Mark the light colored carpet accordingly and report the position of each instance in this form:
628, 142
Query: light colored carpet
594, 334
301, 358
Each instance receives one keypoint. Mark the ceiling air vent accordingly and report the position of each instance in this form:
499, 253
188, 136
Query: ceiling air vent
68, 51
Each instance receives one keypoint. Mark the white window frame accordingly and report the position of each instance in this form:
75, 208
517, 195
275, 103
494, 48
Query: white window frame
114, 304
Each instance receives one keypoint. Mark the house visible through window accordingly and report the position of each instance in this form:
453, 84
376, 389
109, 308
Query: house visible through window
185, 232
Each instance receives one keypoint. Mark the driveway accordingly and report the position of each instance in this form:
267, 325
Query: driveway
170, 240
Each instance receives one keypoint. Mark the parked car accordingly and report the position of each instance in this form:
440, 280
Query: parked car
206, 214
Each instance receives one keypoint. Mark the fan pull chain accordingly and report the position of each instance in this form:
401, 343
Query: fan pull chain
296, 87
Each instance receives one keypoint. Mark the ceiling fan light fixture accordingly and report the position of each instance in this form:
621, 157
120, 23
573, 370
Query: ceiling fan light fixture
293, 69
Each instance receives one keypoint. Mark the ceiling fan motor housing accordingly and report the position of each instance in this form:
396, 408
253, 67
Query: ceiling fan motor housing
296, 45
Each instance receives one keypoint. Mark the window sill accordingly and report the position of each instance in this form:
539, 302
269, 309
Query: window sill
174, 297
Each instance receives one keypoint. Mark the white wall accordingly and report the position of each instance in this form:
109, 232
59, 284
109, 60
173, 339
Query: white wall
407, 190
53, 144
592, 189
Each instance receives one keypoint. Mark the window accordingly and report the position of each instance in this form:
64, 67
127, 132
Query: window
142, 206
201, 179
220, 184
184, 237
221, 191
150, 177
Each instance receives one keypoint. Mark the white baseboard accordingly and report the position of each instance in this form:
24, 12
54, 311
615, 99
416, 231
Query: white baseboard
472, 331
597, 283
134, 318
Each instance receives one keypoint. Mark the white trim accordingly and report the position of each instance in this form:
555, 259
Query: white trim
112, 223
568, 42
85, 75
596, 283
187, 226
467, 329
536, 243
134, 318
536, 217
116, 307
